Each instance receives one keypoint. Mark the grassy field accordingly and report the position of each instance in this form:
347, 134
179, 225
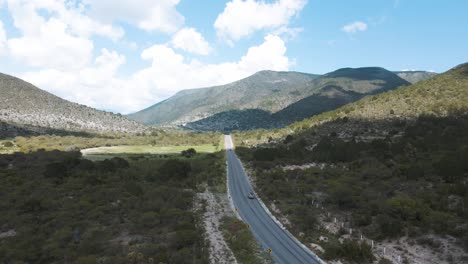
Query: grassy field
147, 149
8, 149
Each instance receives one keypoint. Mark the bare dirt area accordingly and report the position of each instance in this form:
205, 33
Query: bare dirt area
216, 207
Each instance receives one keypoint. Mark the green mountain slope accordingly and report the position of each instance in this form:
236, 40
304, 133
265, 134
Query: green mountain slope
265, 90
321, 94
26, 107
440, 96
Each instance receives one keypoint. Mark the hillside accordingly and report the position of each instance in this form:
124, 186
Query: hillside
324, 93
24, 107
439, 96
415, 76
266, 90
390, 168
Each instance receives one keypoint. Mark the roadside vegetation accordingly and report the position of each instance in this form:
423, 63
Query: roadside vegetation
410, 183
391, 167
57, 207
242, 242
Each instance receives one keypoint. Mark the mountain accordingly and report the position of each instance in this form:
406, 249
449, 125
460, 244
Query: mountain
266, 90
24, 107
323, 93
437, 96
443, 95
415, 76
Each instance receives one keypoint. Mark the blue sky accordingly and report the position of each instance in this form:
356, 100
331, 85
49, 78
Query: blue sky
123, 56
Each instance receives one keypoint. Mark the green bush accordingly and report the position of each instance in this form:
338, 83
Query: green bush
8, 144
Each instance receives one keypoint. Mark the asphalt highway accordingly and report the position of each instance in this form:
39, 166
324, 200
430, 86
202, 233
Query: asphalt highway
283, 246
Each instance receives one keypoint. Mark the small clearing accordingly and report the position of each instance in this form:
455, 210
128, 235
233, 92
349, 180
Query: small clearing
148, 149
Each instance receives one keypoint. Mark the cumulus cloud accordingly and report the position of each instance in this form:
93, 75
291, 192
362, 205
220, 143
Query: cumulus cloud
149, 15
171, 72
3, 38
52, 47
355, 27
55, 34
99, 86
54, 43
26, 17
189, 39
243, 17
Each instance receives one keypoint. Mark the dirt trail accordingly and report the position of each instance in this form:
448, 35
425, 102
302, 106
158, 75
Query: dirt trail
216, 208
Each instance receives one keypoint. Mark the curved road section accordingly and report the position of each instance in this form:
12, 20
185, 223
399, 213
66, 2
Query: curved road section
274, 238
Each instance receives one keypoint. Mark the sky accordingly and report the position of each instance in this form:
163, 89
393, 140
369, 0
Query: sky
123, 56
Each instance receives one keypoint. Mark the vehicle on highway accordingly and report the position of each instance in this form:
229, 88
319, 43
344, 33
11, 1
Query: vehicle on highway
251, 195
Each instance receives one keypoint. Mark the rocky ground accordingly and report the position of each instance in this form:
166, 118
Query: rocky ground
216, 207
422, 250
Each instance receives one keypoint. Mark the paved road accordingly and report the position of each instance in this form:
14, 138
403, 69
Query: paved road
285, 249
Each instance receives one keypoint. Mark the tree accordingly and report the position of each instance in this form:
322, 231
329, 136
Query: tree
188, 153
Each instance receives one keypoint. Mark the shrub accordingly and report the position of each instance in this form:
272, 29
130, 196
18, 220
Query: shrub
56, 171
175, 169
188, 153
8, 144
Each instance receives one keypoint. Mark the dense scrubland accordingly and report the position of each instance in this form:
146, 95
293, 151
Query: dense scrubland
58, 207
411, 185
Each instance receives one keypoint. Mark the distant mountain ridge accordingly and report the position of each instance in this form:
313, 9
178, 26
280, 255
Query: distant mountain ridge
286, 96
273, 91
26, 107
268, 99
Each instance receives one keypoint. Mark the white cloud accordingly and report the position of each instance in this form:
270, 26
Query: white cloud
189, 39
52, 47
287, 32
26, 17
3, 38
170, 72
241, 18
99, 86
355, 27
149, 15
96, 85
55, 45
55, 34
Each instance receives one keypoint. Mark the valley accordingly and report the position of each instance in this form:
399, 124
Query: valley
233, 132
359, 165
